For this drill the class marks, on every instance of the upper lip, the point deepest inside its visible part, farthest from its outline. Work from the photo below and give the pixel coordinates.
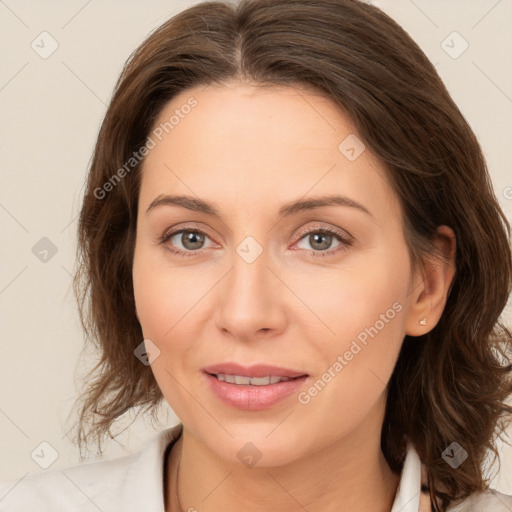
(257, 370)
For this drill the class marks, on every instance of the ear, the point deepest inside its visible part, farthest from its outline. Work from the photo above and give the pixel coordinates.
(431, 286)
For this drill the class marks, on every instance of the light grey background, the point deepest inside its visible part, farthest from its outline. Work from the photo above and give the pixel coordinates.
(51, 111)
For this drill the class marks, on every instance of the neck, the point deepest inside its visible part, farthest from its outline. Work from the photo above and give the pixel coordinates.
(347, 475)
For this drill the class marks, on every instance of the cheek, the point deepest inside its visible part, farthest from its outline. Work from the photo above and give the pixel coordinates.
(172, 304)
(152, 298)
(163, 297)
(162, 294)
(359, 304)
(354, 365)
(363, 315)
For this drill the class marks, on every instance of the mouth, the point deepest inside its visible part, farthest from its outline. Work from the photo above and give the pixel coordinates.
(253, 388)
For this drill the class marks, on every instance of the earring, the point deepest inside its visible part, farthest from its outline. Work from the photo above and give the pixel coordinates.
(423, 321)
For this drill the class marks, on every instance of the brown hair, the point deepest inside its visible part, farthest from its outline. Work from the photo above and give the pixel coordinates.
(450, 384)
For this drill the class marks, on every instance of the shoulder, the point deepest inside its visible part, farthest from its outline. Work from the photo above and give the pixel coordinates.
(84, 487)
(486, 501)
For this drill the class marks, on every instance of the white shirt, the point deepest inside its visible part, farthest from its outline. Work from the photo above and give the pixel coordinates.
(135, 483)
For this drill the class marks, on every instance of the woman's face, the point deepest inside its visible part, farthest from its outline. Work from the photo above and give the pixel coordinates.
(261, 283)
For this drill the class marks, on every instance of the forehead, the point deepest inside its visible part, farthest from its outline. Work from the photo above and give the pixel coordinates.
(239, 142)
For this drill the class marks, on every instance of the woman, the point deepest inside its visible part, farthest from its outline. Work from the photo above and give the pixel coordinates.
(290, 235)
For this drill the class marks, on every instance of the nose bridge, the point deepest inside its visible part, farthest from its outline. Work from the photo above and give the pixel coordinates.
(249, 299)
(250, 274)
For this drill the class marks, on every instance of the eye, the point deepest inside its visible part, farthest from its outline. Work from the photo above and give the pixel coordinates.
(191, 240)
(321, 239)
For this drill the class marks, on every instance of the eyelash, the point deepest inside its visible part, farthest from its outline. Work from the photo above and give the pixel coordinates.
(345, 242)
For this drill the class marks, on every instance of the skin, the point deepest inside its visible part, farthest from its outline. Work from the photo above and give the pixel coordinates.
(291, 307)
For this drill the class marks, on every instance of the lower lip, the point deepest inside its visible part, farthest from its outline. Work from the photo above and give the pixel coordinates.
(254, 398)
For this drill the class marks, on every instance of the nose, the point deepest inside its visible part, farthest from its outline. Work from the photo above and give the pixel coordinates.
(251, 299)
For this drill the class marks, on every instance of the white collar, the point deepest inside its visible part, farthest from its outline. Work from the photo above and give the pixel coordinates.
(408, 495)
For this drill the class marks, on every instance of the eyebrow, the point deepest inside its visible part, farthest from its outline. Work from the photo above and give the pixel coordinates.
(198, 205)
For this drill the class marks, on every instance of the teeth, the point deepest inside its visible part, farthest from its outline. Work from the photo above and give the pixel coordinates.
(251, 381)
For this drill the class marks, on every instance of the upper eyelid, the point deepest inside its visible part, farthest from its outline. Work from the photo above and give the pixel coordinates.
(176, 230)
(332, 230)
